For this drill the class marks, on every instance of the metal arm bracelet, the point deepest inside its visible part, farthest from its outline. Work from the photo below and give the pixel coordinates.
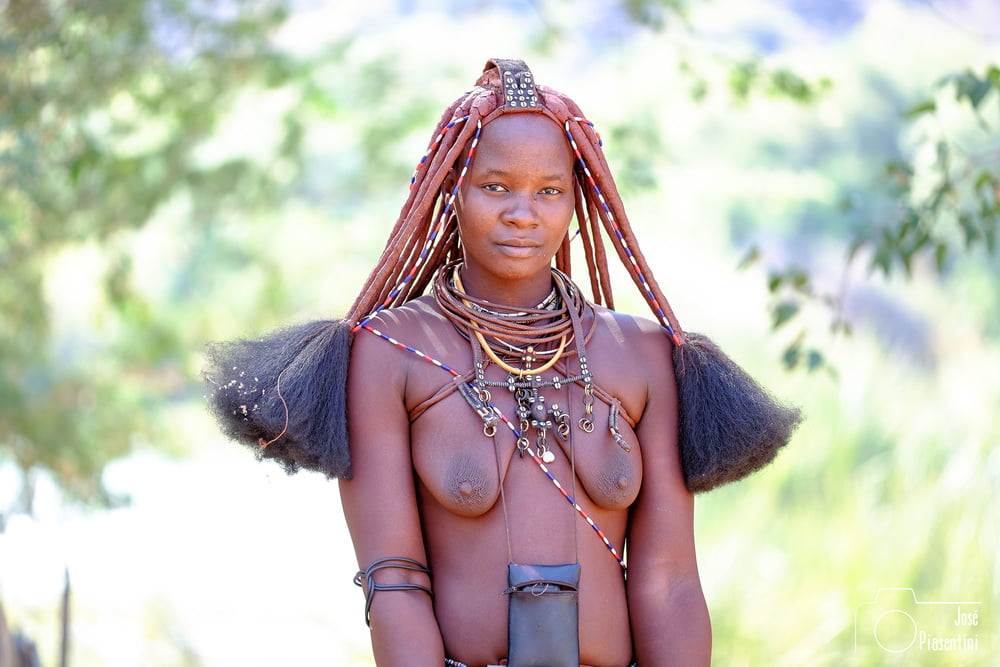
(366, 576)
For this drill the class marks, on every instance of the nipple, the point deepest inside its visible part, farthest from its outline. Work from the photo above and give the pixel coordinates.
(622, 482)
(465, 488)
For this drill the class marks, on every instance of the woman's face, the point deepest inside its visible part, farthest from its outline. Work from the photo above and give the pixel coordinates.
(514, 208)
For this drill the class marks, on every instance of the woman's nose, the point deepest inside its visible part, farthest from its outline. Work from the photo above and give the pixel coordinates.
(522, 210)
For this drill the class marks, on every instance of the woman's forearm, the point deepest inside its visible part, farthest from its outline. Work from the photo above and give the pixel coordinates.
(671, 628)
(404, 630)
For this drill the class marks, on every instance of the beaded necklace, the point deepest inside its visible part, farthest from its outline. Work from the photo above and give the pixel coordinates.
(534, 329)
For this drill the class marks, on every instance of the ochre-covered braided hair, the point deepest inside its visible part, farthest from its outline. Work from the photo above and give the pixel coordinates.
(285, 394)
(426, 234)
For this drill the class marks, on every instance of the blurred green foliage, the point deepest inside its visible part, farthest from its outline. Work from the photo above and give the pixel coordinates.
(939, 198)
(111, 113)
(104, 105)
(940, 201)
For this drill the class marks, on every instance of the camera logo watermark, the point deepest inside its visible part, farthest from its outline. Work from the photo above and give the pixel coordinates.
(896, 621)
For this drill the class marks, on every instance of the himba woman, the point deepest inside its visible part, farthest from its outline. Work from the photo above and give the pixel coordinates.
(516, 459)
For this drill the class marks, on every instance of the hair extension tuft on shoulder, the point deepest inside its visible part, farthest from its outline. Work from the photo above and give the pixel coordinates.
(285, 395)
(730, 426)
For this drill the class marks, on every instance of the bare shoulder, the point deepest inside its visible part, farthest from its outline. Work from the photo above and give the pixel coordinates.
(416, 322)
(394, 346)
(384, 366)
(644, 340)
(631, 358)
(413, 317)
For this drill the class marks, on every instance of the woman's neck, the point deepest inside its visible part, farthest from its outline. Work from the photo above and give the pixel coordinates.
(524, 293)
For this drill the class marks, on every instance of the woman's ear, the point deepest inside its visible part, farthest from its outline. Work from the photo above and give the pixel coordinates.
(448, 184)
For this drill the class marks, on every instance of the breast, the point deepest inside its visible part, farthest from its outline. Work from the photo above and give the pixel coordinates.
(614, 483)
(610, 475)
(453, 459)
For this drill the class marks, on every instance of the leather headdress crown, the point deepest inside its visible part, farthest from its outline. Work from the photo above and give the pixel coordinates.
(516, 82)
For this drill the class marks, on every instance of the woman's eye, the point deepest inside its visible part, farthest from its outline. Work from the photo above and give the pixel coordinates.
(493, 187)
(551, 191)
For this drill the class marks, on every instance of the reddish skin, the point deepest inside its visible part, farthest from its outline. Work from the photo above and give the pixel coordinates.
(428, 490)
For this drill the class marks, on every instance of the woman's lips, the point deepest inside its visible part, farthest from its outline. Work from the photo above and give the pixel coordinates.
(518, 247)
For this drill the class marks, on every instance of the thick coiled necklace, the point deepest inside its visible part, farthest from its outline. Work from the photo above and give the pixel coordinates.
(525, 342)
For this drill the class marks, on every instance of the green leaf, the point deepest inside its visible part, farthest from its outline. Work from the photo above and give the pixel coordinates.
(742, 78)
(970, 229)
(940, 255)
(774, 282)
(909, 223)
(985, 179)
(945, 189)
(792, 355)
(799, 279)
(927, 106)
(993, 74)
(814, 360)
(791, 84)
(969, 86)
(980, 92)
(882, 261)
(783, 312)
(907, 257)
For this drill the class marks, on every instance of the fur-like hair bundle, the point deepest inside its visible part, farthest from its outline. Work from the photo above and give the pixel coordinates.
(285, 395)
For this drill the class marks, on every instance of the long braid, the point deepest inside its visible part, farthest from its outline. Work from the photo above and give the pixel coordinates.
(612, 213)
(411, 225)
(420, 224)
(593, 248)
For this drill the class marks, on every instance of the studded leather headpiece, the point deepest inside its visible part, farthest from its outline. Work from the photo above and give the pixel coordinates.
(516, 82)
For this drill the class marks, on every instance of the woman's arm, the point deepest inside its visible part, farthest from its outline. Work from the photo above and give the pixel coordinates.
(381, 507)
(669, 618)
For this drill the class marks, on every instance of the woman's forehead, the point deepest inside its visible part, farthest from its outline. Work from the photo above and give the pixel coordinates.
(528, 124)
(529, 135)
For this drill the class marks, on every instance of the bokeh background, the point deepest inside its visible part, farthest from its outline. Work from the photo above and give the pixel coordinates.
(816, 185)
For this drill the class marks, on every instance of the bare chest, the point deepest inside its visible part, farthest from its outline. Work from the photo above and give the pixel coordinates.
(464, 444)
